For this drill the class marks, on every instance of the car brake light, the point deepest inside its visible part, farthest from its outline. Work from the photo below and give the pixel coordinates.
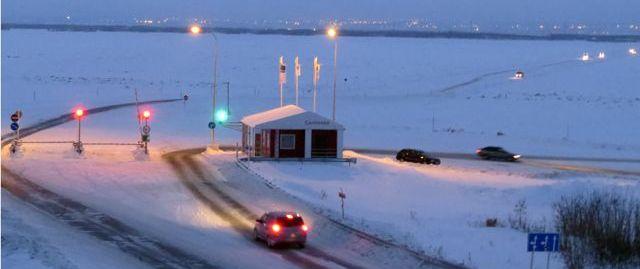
(478, 151)
(305, 228)
(275, 228)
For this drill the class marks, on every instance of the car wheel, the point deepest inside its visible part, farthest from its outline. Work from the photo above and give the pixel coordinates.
(255, 235)
(436, 162)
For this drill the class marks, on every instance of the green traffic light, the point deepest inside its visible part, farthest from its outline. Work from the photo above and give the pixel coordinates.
(221, 115)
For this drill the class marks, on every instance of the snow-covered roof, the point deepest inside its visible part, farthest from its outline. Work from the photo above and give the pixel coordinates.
(271, 115)
(289, 117)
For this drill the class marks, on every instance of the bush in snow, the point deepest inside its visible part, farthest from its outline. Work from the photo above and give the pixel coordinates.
(601, 229)
(518, 220)
(491, 222)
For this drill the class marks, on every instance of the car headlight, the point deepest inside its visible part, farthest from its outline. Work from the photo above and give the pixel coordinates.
(517, 156)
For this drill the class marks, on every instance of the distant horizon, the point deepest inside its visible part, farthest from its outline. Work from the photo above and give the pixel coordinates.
(621, 13)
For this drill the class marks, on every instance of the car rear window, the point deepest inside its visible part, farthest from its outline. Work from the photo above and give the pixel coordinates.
(286, 222)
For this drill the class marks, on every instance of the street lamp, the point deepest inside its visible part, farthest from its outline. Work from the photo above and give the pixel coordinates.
(196, 30)
(332, 33)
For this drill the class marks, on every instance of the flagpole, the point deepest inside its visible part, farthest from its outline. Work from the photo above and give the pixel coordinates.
(281, 76)
(296, 73)
(281, 99)
(316, 71)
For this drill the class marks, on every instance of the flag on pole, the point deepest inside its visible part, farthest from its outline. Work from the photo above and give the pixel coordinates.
(297, 67)
(316, 71)
(283, 72)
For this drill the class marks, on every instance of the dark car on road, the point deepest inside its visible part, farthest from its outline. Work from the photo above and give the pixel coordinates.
(281, 228)
(416, 156)
(496, 153)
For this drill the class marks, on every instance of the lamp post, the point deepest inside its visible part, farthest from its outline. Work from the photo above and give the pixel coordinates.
(196, 30)
(332, 33)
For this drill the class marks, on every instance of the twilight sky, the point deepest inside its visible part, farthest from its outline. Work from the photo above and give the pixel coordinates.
(480, 11)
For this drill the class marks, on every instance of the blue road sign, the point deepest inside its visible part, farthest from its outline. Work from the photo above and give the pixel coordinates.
(15, 126)
(543, 242)
(212, 125)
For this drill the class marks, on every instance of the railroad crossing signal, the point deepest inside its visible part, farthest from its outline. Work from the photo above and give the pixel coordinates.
(79, 113)
(77, 145)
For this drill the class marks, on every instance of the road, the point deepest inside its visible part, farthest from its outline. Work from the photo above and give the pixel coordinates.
(222, 201)
(534, 161)
(101, 226)
(159, 254)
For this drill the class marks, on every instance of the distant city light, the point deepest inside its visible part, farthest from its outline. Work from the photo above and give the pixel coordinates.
(195, 29)
(601, 55)
(585, 57)
(633, 51)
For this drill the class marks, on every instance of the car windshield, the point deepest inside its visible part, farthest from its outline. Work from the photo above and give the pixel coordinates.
(290, 222)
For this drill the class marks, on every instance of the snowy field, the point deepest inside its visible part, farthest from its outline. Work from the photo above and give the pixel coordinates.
(442, 210)
(393, 88)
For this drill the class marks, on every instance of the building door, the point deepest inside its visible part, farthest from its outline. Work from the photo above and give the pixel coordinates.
(324, 144)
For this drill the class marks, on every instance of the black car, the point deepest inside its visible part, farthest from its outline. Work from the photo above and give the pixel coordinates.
(416, 156)
(496, 153)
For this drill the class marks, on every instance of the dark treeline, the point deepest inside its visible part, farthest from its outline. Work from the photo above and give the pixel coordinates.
(343, 32)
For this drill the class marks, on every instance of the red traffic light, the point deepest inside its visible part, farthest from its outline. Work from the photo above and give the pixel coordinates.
(146, 114)
(78, 113)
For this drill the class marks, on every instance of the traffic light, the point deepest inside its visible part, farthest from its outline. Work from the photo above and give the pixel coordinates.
(79, 113)
(146, 114)
(221, 116)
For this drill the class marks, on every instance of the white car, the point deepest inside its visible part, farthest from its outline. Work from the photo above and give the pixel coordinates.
(281, 228)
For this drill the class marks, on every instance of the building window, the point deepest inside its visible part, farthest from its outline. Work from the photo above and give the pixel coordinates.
(287, 141)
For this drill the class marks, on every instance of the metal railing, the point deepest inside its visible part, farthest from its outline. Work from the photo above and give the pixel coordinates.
(324, 152)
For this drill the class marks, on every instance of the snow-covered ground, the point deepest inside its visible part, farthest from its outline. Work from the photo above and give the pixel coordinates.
(392, 90)
(442, 210)
(32, 240)
(389, 89)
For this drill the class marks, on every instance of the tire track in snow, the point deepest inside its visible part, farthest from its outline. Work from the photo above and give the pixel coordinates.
(100, 225)
(187, 156)
(178, 159)
(93, 222)
(246, 212)
(495, 73)
(475, 80)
